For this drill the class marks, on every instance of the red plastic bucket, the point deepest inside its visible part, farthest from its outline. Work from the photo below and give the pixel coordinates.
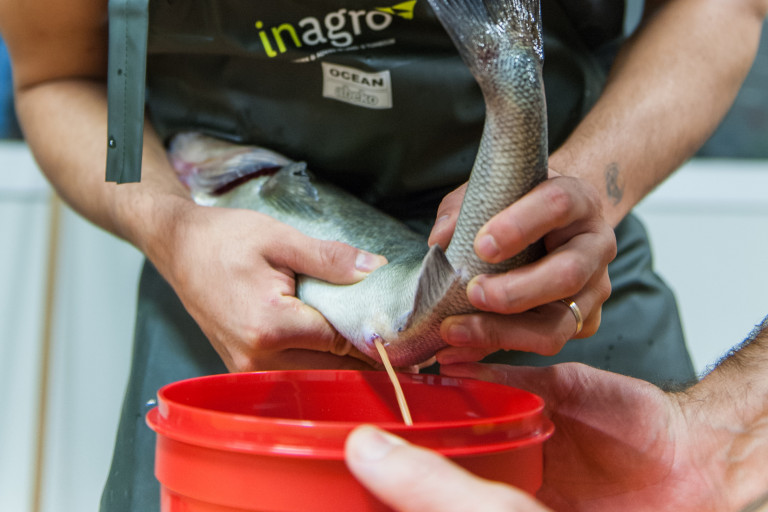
(274, 441)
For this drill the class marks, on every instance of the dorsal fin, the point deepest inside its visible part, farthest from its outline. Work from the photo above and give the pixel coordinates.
(291, 190)
(436, 278)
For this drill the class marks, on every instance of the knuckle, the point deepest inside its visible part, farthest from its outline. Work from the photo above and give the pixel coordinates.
(283, 252)
(591, 325)
(245, 362)
(259, 337)
(256, 354)
(553, 374)
(573, 275)
(516, 233)
(483, 334)
(492, 338)
(240, 365)
(504, 297)
(614, 247)
(559, 200)
(554, 344)
(333, 254)
(446, 206)
(512, 301)
(604, 289)
(508, 231)
(590, 193)
(452, 201)
(340, 346)
(610, 246)
(550, 346)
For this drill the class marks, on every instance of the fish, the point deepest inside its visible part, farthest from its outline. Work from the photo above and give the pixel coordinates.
(402, 303)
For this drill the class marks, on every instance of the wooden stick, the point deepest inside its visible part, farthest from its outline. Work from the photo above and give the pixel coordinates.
(51, 280)
(404, 411)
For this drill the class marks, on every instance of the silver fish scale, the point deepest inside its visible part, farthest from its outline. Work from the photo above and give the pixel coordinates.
(511, 159)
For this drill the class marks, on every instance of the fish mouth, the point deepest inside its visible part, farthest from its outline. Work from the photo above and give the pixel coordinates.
(257, 173)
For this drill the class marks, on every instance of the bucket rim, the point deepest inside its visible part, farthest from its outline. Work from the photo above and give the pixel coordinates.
(267, 435)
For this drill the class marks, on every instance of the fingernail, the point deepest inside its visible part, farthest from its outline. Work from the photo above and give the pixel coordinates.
(367, 262)
(475, 293)
(372, 444)
(457, 334)
(487, 248)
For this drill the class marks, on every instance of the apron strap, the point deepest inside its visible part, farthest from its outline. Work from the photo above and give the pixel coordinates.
(128, 30)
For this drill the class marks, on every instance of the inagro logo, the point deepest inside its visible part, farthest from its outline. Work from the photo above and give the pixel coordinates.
(337, 29)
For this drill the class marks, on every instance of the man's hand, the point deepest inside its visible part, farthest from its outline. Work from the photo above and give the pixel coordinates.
(619, 443)
(522, 307)
(235, 270)
(413, 479)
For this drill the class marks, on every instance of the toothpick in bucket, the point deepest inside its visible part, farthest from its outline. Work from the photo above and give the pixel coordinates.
(404, 411)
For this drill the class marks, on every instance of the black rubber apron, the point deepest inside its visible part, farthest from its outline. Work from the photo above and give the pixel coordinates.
(378, 102)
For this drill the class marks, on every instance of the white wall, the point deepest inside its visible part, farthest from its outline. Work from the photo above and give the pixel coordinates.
(23, 237)
(94, 292)
(708, 224)
(709, 229)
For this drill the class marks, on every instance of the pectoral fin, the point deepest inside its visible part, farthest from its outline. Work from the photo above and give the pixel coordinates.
(291, 190)
(436, 278)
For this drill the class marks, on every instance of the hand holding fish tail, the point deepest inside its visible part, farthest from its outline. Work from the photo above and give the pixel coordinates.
(234, 270)
(522, 308)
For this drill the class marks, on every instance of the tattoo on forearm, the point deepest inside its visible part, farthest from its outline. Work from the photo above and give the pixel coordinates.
(613, 185)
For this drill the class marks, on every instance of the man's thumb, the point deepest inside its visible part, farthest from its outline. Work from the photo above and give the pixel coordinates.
(335, 262)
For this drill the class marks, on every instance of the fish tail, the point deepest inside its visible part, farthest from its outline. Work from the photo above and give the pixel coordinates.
(501, 42)
(481, 29)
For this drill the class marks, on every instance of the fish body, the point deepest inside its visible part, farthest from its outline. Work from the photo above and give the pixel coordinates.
(403, 303)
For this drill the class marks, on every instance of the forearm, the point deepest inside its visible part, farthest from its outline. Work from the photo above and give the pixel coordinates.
(65, 126)
(728, 413)
(669, 88)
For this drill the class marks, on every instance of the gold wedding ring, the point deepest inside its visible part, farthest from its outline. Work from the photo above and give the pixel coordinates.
(576, 314)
